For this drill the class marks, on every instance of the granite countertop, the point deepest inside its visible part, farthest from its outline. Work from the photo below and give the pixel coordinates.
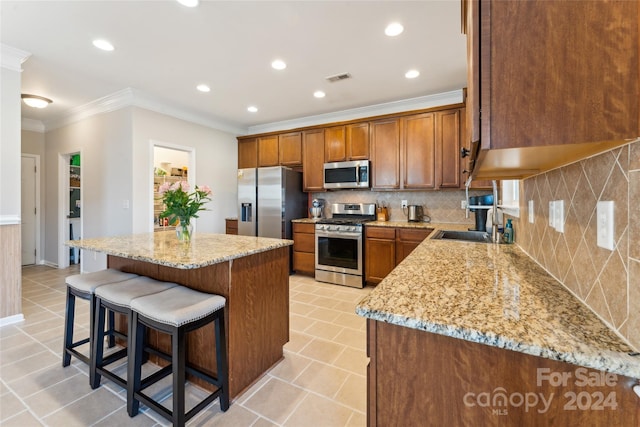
(162, 247)
(407, 224)
(495, 295)
(306, 220)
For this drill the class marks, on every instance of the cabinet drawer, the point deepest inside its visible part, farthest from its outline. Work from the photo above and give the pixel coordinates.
(381, 232)
(299, 227)
(303, 242)
(413, 234)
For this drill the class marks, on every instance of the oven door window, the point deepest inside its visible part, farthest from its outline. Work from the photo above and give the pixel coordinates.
(338, 252)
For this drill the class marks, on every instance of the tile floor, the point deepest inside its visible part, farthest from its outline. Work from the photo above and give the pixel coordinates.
(321, 381)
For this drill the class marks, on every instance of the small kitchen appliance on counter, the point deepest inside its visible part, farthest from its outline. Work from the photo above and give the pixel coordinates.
(317, 208)
(339, 244)
(481, 212)
(415, 213)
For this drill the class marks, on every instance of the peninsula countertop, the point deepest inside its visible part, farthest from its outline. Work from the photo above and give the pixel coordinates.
(163, 248)
(495, 295)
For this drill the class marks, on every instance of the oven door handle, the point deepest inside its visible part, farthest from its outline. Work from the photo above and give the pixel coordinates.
(346, 235)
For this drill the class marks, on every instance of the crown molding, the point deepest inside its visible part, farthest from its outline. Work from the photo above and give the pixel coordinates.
(419, 103)
(12, 58)
(131, 97)
(32, 125)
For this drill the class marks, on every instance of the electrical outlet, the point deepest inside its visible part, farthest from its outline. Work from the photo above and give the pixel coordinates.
(531, 216)
(463, 204)
(403, 204)
(605, 221)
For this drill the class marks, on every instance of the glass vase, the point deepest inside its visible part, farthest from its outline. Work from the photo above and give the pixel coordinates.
(184, 232)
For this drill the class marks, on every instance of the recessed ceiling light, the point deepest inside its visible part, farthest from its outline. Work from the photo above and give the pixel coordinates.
(103, 44)
(278, 64)
(36, 101)
(189, 3)
(394, 29)
(412, 74)
(319, 94)
(252, 109)
(203, 88)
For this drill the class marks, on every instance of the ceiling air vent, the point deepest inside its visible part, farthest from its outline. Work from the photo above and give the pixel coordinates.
(339, 77)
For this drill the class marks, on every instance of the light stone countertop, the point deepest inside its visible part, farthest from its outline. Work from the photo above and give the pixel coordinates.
(162, 247)
(495, 295)
(305, 220)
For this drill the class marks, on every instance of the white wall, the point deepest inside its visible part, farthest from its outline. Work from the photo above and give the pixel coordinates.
(175, 158)
(33, 143)
(216, 166)
(104, 143)
(10, 146)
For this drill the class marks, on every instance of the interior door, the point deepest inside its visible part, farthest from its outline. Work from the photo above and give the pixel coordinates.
(28, 210)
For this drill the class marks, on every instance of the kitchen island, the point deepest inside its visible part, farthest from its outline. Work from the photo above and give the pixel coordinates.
(252, 273)
(478, 334)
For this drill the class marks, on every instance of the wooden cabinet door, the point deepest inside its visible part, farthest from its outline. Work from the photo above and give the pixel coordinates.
(290, 149)
(408, 239)
(247, 153)
(268, 153)
(380, 259)
(231, 226)
(385, 154)
(357, 141)
(419, 151)
(313, 144)
(448, 149)
(335, 149)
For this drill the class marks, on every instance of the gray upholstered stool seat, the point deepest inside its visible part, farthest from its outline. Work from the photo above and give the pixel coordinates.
(83, 286)
(117, 297)
(176, 312)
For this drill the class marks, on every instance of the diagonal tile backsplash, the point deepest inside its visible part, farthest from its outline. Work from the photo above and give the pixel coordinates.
(607, 281)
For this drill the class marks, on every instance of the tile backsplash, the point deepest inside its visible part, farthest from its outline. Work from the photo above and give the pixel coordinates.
(441, 206)
(606, 281)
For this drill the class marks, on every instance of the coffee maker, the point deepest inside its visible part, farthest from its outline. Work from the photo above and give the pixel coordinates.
(481, 213)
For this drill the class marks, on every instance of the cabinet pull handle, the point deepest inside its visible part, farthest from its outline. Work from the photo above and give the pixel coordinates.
(464, 152)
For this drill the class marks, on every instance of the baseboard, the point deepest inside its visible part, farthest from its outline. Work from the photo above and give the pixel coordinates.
(49, 263)
(9, 320)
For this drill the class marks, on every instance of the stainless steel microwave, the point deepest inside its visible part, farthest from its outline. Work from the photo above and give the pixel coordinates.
(354, 174)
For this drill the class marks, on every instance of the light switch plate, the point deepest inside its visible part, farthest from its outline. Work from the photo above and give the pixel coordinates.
(559, 216)
(531, 216)
(552, 214)
(606, 219)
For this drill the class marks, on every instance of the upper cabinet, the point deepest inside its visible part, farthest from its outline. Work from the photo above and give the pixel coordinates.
(347, 142)
(313, 151)
(247, 153)
(268, 152)
(290, 149)
(385, 154)
(553, 81)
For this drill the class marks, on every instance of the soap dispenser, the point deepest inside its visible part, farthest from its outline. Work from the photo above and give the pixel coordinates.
(507, 237)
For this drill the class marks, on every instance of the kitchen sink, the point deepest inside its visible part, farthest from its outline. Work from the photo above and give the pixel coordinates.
(467, 236)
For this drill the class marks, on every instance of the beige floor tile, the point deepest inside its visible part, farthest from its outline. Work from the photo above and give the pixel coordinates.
(303, 297)
(59, 395)
(87, 410)
(352, 338)
(346, 307)
(14, 341)
(23, 419)
(324, 330)
(16, 353)
(41, 316)
(350, 320)
(326, 302)
(289, 368)
(353, 360)
(297, 341)
(357, 420)
(9, 330)
(319, 411)
(353, 393)
(37, 381)
(322, 350)
(276, 400)
(28, 365)
(322, 379)
(236, 416)
(57, 331)
(120, 418)
(299, 323)
(306, 287)
(10, 405)
(324, 314)
(301, 308)
(263, 423)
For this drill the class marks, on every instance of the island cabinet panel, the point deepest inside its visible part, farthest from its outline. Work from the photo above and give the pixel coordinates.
(304, 248)
(313, 152)
(420, 378)
(247, 153)
(290, 149)
(268, 152)
(583, 85)
(256, 312)
(419, 151)
(385, 154)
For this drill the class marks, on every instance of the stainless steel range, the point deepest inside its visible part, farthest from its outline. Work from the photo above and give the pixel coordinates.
(339, 244)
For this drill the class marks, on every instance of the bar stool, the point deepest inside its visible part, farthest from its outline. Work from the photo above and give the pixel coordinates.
(117, 298)
(83, 286)
(176, 312)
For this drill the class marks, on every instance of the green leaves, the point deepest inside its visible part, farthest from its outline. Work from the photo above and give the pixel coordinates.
(182, 205)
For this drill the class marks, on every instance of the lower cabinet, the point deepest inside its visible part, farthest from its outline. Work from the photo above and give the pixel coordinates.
(386, 247)
(304, 248)
(231, 226)
(418, 378)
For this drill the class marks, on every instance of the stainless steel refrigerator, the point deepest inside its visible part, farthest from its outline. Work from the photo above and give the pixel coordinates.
(268, 199)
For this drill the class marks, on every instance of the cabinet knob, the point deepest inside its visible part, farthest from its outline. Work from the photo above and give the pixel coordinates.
(464, 152)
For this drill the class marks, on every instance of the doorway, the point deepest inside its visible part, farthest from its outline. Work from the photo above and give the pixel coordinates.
(171, 163)
(69, 207)
(30, 208)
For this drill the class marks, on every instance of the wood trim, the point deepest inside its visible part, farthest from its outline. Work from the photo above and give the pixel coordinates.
(10, 270)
